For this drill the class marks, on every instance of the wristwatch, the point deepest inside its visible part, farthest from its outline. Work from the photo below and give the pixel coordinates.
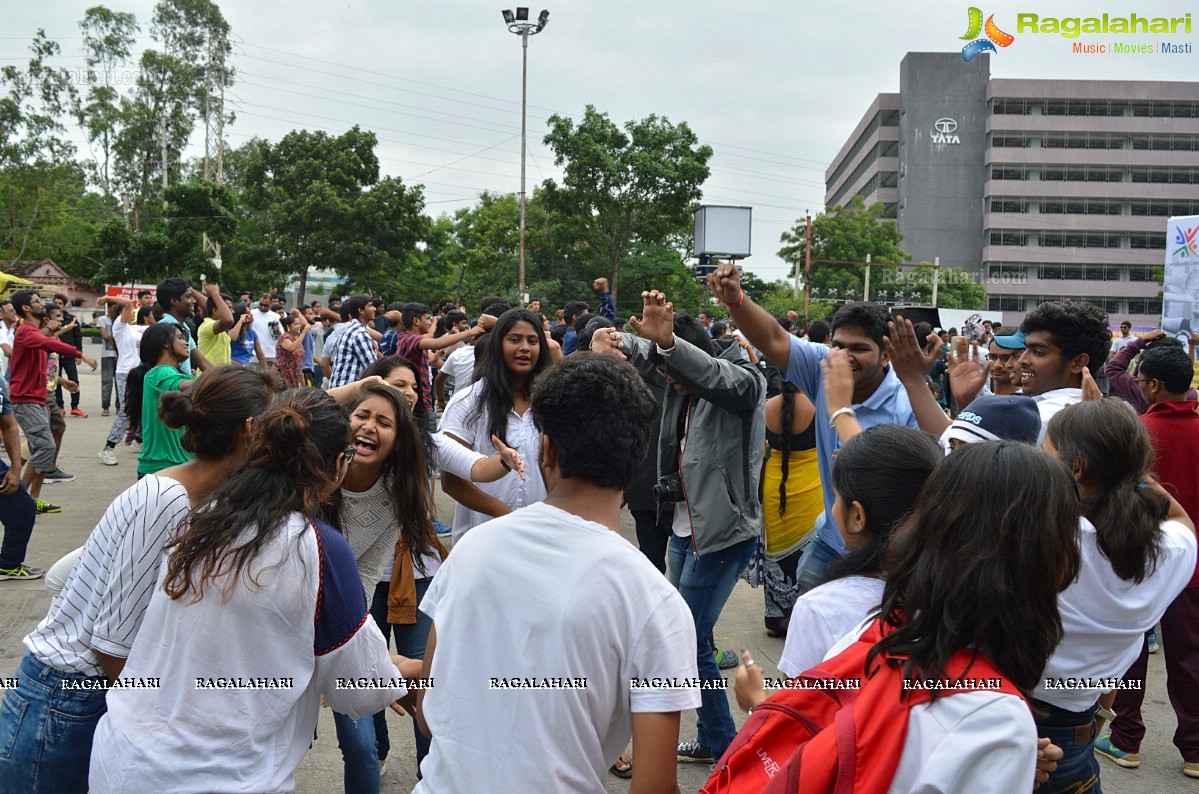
(832, 419)
(1105, 714)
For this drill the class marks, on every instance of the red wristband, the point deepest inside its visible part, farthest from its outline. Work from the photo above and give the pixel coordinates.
(738, 303)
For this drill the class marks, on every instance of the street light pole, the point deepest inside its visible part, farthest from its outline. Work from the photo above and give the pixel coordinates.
(519, 24)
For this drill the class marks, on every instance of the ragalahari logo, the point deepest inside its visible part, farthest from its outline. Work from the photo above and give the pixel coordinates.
(995, 36)
(1187, 241)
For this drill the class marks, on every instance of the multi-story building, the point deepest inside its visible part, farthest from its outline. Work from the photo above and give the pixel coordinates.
(1044, 189)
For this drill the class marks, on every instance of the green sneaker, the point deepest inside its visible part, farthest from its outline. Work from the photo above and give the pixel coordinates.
(45, 507)
(21, 572)
(726, 659)
(1104, 746)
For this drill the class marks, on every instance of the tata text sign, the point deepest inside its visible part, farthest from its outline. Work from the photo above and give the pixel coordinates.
(945, 132)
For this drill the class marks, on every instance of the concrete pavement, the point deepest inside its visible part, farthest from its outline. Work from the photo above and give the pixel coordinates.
(23, 604)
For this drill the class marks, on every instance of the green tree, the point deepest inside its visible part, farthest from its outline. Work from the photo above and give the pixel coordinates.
(108, 41)
(845, 234)
(623, 191)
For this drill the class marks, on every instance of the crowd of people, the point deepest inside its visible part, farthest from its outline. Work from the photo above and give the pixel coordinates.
(965, 546)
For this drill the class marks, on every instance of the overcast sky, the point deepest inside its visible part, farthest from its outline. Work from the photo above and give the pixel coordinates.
(774, 87)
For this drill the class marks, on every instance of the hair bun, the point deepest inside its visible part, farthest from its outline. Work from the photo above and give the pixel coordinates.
(177, 410)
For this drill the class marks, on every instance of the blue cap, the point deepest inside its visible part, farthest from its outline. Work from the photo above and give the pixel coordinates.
(1013, 342)
(994, 417)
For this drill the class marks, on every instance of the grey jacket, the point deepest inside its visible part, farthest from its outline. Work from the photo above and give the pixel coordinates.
(723, 459)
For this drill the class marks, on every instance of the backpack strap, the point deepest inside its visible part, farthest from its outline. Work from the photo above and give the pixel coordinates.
(847, 753)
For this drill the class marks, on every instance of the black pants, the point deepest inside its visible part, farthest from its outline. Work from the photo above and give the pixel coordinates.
(71, 372)
(653, 533)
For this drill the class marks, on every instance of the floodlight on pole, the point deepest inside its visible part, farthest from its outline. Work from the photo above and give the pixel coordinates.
(519, 24)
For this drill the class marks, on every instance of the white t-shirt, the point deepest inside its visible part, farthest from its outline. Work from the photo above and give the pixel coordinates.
(1052, 401)
(824, 615)
(6, 337)
(103, 602)
(261, 323)
(549, 595)
(129, 343)
(460, 366)
(198, 733)
(459, 420)
(1105, 617)
(981, 742)
(107, 349)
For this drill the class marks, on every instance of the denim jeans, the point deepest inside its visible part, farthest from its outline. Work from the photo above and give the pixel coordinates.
(1078, 771)
(17, 514)
(359, 753)
(706, 582)
(814, 564)
(411, 639)
(46, 731)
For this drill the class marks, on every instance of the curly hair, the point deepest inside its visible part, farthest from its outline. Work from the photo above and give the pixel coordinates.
(1076, 327)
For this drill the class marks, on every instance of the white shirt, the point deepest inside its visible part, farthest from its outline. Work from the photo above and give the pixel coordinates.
(6, 337)
(1105, 617)
(261, 323)
(824, 615)
(129, 344)
(981, 742)
(368, 522)
(102, 604)
(1120, 342)
(193, 736)
(1052, 401)
(107, 349)
(459, 366)
(548, 595)
(459, 420)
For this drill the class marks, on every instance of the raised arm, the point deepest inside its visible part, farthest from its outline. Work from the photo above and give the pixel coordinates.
(762, 330)
(912, 361)
(1117, 369)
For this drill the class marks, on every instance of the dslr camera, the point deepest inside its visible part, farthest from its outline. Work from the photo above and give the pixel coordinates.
(668, 489)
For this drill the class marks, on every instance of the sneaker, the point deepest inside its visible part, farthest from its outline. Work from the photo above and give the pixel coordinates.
(58, 475)
(78, 412)
(1104, 746)
(21, 572)
(108, 456)
(693, 752)
(1154, 647)
(382, 766)
(45, 507)
(726, 659)
(1191, 769)
(105, 412)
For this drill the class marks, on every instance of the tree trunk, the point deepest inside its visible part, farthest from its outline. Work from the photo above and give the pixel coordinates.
(303, 287)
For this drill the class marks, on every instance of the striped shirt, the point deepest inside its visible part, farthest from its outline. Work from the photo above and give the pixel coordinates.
(408, 347)
(355, 352)
(103, 602)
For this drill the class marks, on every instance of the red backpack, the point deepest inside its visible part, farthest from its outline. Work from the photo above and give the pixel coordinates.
(818, 738)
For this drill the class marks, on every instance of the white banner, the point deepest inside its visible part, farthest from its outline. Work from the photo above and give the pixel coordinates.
(1180, 304)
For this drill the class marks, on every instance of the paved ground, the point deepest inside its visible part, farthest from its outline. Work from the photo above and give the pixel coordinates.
(23, 604)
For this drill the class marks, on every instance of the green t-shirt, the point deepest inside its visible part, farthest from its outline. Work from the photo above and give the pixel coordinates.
(160, 444)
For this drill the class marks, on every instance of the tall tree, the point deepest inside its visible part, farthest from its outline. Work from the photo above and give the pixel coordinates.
(108, 41)
(622, 191)
(169, 93)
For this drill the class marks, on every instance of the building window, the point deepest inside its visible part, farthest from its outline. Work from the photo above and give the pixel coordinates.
(1144, 306)
(1008, 237)
(1147, 240)
(1140, 274)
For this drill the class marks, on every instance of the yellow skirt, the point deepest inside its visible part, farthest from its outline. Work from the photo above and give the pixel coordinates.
(805, 501)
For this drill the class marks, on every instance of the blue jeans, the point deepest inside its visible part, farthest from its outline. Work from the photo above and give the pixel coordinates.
(17, 514)
(1078, 771)
(46, 731)
(411, 640)
(360, 754)
(814, 564)
(706, 582)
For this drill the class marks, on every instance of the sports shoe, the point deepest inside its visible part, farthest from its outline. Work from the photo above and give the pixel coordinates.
(21, 572)
(1154, 647)
(693, 752)
(58, 475)
(726, 659)
(1191, 769)
(108, 456)
(78, 412)
(1104, 746)
(45, 507)
(382, 766)
(105, 412)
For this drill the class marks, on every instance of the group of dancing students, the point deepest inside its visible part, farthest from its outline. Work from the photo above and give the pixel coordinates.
(221, 599)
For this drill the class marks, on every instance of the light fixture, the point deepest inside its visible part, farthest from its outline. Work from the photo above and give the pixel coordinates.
(522, 14)
(509, 17)
(543, 19)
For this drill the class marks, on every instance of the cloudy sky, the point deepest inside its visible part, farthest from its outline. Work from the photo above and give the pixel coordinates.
(774, 87)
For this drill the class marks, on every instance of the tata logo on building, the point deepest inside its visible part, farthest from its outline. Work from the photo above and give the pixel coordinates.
(944, 131)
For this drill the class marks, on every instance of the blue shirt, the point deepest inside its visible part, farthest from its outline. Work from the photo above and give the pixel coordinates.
(308, 348)
(242, 348)
(570, 342)
(888, 405)
(186, 365)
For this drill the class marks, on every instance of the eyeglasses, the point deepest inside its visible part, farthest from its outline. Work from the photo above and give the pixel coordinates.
(1144, 380)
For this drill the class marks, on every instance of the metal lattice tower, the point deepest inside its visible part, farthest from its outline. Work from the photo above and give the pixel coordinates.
(214, 122)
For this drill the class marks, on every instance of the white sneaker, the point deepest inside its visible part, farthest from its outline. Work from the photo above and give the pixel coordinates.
(108, 456)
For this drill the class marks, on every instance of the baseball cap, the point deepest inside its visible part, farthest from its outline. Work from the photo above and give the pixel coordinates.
(1011, 417)
(1013, 342)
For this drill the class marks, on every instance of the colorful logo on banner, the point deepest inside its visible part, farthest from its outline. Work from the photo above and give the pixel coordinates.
(995, 36)
(1187, 241)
